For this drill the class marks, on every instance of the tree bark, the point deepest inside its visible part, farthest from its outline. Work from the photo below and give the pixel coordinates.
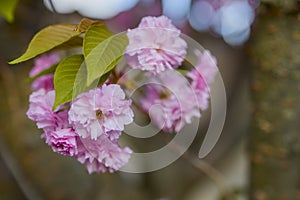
(275, 138)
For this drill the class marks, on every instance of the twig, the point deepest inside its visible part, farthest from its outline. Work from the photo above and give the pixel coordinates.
(215, 175)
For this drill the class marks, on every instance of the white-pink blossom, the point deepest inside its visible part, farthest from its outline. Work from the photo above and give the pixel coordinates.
(175, 101)
(63, 141)
(155, 45)
(102, 155)
(202, 75)
(98, 155)
(54, 123)
(99, 111)
(40, 111)
(40, 64)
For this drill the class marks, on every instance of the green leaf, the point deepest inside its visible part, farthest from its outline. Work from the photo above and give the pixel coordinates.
(64, 78)
(94, 36)
(7, 8)
(105, 56)
(60, 36)
(47, 39)
(80, 82)
(74, 42)
(70, 80)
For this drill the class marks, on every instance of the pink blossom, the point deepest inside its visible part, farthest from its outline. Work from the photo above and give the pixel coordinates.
(43, 62)
(54, 123)
(63, 141)
(207, 65)
(101, 155)
(202, 75)
(40, 64)
(40, 111)
(113, 135)
(174, 114)
(155, 45)
(99, 111)
(176, 105)
(153, 92)
(43, 82)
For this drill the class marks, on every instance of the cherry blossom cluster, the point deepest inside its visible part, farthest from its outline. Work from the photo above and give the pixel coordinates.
(156, 47)
(88, 128)
(177, 98)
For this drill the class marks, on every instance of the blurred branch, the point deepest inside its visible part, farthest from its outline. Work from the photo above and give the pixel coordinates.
(14, 106)
(275, 139)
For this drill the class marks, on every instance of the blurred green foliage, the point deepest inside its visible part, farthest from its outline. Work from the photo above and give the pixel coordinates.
(7, 8)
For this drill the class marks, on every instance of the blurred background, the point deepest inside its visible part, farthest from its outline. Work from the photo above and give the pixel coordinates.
(254, 148)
